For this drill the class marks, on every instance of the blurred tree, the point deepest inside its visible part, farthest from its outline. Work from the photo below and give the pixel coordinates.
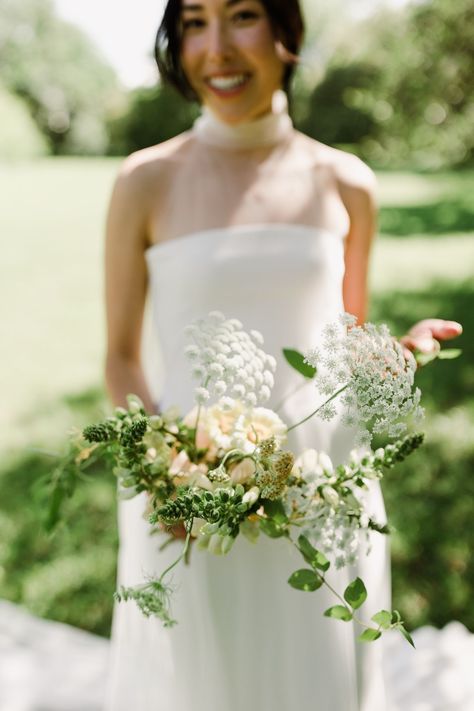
(154, 115)
(52, 65)
(19, 135)
(399, 88)
(332, 116)
(423, 102)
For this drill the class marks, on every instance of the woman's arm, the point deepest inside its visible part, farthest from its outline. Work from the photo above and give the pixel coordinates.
(357, 187)
(126, 285)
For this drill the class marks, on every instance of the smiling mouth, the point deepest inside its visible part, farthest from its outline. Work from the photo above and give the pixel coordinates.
(228, 83)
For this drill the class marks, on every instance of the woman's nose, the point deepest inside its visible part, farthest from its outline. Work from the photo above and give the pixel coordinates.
(219, 44)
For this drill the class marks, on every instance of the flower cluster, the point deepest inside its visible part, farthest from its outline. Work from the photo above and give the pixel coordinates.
(367, 366)
(228, 362)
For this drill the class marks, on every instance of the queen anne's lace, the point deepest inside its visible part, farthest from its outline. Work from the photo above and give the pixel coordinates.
(228, 362)
(377, 380)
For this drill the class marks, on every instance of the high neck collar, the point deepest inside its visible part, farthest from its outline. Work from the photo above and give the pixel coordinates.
(265, 131)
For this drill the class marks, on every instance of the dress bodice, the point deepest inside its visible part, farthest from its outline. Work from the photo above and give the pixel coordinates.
(283, 280)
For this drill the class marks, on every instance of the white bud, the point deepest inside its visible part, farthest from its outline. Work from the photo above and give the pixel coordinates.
(268, 378)
(201, 395)
(220, 388)
(216, 317)
(330, 496)
(326, 463)
(192, 352)
(251, 399)
(271, 362)
(264, 393)
(257, 337)
(216, 370)
(198, 372)
(251, 496)
(227, 403)
(134, 404)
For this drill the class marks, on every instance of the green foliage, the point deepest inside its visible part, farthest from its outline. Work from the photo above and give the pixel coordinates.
(339, 612)
(355, 594)
(429, 501)
(312, 556)
(305, 580)
(153, 115)
(52, 65)
(402, 94)
(370, 635)
(297, 361)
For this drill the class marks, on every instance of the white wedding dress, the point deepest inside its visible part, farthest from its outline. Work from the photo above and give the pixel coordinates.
(245, 639)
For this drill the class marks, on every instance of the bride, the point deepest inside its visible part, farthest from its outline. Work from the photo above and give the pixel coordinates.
(245, 215)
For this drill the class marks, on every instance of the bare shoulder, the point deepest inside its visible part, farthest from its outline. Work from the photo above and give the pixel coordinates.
(353, 177)
(143, 170)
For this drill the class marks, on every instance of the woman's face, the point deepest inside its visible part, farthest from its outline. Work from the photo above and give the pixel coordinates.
(229, 56)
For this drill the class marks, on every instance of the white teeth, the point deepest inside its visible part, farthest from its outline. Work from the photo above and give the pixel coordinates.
(229, 82)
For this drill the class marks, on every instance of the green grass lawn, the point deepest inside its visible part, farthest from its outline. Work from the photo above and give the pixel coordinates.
(52, 220)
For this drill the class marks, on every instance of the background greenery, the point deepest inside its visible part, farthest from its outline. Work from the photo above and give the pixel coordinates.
(53, 345)
(396, 87)
(401, 97)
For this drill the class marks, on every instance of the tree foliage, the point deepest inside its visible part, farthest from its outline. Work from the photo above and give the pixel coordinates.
(56, 70)
(155, 114)
(402, 93)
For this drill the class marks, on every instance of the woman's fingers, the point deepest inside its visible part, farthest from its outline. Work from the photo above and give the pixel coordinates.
(435, 328)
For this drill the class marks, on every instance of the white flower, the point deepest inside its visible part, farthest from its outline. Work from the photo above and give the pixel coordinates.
(201, 395)
(313, 466)
(254, 426)
(225, 355)
(368, 365)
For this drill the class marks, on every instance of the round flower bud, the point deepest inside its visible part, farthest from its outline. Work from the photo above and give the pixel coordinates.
(216, 370)
(156, 422)
(271, 362)
(201, 395)
(220, 388)
(227, 403)
(264, 393)
(198, 372)
(191, 352)
(251, 399)
(268, 378)
(257, 337)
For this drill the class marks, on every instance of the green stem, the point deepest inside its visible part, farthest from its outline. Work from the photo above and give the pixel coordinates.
(178, 560)
(333, 397)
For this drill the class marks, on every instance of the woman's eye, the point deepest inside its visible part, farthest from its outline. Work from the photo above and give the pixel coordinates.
(245, 16)
(192, 23)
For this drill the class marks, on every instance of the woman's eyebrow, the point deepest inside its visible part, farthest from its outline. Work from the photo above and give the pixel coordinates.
(197, 6)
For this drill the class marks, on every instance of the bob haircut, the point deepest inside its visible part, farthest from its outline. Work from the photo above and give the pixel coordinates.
(288, 26)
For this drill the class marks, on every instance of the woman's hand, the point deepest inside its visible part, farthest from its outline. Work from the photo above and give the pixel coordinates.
(425, 336)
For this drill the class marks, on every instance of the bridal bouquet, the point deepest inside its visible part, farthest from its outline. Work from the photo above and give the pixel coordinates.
(222, 470)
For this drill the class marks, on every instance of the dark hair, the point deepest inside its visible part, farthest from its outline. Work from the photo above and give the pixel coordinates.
(285, 17)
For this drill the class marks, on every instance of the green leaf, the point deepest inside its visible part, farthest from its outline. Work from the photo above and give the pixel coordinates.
(272, 529)
(339, 612)
(370, 635)
(296, 360)
(276, 511)
(306, 580)
(450, 354)
(355, 593)
(312, 556)
(407, 635)
(396, 617)
(383, 619)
